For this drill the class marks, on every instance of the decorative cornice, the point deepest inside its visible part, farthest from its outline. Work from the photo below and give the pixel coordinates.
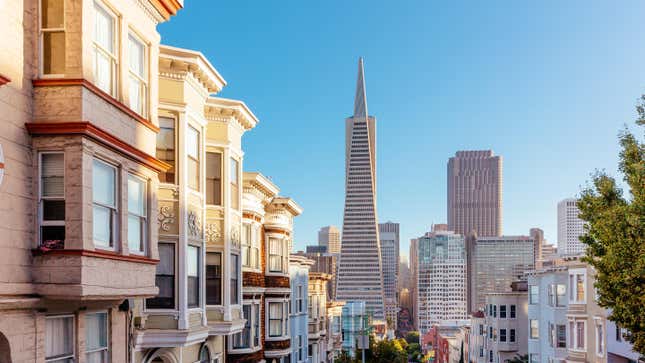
(87, 129)
(259, 182)
(219, 109)
(64, 82)
(166, 8)
(176, 63)
(99, 254)
(287, 203)
(4, 80)
(150, 10)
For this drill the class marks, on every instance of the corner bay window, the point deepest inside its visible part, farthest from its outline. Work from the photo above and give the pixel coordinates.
(137, 214)
(59, 339)
(192, 272)
(192, 159)
(213, 278)
(138, 90)
(249, 338)
(52, 200)
(278, 255)
(166, 148)
(52, 36)
(213, 178)
(278, 313)
(164, 279)
(104, 49)
(104, 204)
(96, 337)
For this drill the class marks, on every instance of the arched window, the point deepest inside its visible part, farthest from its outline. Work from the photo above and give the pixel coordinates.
(204, 354)
(5, 351)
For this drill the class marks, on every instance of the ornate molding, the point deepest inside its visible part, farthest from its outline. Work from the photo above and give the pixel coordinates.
(213, 232)
(166, 217)
(235, 235)
(194, 224)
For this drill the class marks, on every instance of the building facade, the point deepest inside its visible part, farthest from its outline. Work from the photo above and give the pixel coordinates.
(441, 280)
(495, 263)
(570, 228)
(334, 329)
(329, 236)
(78, 209)
(475, 193)
(355, 325)
(359, 271)
(317, 312)
(389, 242)
(298, 314)
(506, 325)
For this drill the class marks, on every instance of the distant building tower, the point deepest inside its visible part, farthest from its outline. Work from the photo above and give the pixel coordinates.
(475, 193)
(414, 280)
(570, 228)
(359, 270)
(330, 236)
(389, 238)
(442, 280)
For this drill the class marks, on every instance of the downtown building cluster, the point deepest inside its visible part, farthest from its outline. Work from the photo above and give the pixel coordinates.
(131, 231)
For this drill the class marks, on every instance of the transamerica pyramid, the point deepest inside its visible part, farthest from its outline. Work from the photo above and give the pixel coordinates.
(359, 271)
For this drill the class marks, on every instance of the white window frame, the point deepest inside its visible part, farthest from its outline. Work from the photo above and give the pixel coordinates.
(42, 198)
(285, 318)
(284, 266)
(113, 57)
(41, 40)
(143, 219)
(601, 338)
(142, 79)
(197, 158)
(574, 338)
(114, 210)
(107, 335)
(533, 300)
(200, 277)
(247, 230)
(537, 322)
(573, 288)
(73, 354)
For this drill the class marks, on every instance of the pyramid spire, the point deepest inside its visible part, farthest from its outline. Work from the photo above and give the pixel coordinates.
(360, 100)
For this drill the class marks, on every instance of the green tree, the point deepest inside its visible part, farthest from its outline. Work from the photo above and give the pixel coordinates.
(414, 352)
(412, 337)
(519, 359)
(344, 357)
(389, 351)
(615, 236)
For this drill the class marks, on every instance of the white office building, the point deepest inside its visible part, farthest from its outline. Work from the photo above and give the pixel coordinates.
(570, 228)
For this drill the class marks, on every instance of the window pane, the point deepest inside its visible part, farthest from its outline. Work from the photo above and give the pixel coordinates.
(192, 143)
(53, 210)
(95, 331)
(103, 71)
(192, 266)
(235, 271)
(104, 29)
(103, 183)
(52, 236)
(192, 270)
(166, 265)
(193, 173)
(135, 239)
(52, 175)
(193, 292)
(102, 226)
(136, 98)
(52, 13)
(213, 178)
(136, 196)
(137, 56)
(234, 171)
(59, 337)
(213, 278)
(166, 148)
(165, 278)
(54, 52)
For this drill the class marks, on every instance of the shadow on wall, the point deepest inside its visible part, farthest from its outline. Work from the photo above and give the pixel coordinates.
(5, 351)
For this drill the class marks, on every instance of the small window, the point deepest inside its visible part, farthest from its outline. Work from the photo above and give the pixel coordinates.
(52, 36)
(275, 255)
(502, 311)
(52, 200)
(502, 335)
(561, 336)
(534, 294)
(204, 355)
(138, 90)
(104, 49)
(276, 313)
(580, 334)
(96, 337)
(104, 204)
(166, 148)
(213, 278)
(512, 312)
(256, 325)
(192, 151)
(164, 278)
(534, 330)
(561, 294)
(192, 272)
(242, 339)
(213, 178)
(246, 244)
(137, 214)
(235, 182)
(235, 279)
(580, 287)
(511, 336)
(59, 339)
(255, 247)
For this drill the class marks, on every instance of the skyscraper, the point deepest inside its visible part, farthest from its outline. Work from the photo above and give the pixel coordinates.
(359, 271)
(475, 193)
(570, 228)
(389, 240)
(330, 236)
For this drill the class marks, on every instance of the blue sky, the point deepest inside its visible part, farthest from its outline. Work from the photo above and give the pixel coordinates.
(548, 85)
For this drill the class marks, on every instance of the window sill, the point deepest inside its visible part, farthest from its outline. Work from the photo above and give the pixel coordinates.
(244, 350)
(107, 254)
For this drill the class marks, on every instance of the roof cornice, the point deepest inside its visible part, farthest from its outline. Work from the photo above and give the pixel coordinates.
(181, 61)
(289, 204)
(167, 8)
(217, 107)
(260, 182)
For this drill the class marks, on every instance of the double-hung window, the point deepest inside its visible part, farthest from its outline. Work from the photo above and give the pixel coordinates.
(512, 312)
(511, 336)
(213, 178)
(166, 148)
(164, 279)
(192, 151)
(275, 255)
(235, 184)
(52, 200)
(192, 272)
(502, 335)
(256, 325)
(502, 311)
(59, 339)
(255, 247)
(138, 90)
(104, 49)
(534, 294)
(246, 244)
(561, 336)
(104, 204)
(580, 334)
(534, 329)
(137, 214)
(235, 279)
(600, 339)
(577, 282)
(242, 340)
(560, 295)
(278, 313)
(213, 278)
(299, 299)
(96, 337)
(52, 37)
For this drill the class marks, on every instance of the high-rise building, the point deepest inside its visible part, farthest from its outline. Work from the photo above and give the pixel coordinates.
(497, 262)
(359, 270)
(414, 279)
(570, 228)
(389, 239)
(441, 280)
(475, 193)
(330, 237)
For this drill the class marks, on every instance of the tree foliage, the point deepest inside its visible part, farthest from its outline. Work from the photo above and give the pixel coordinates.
(615, 236)
(412, 337)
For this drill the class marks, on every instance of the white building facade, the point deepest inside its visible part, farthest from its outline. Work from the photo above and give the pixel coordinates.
(570, 228)
(389, 240)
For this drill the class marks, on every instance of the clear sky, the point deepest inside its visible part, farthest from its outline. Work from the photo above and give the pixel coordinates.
(546, 84)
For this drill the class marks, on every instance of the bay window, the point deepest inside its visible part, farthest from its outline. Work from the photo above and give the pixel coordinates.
(235, 182)
(52, 37)
(138, 90)
(213, 178)
(277, 314)
(59, 339)
(249, 338)
(166, 148)
(137, 214)
(192, 272)
(192, 151)
(213, 278)
(104, 49)
(104, 204)
(276, 250)
(235, 279)
(52, 200)
(96, 337)
(164, 278)
(577, 281)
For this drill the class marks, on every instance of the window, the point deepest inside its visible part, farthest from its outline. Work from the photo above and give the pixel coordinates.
(275, 255)
(502, 311)
(534, 358)
(213, 278)
(96, 337)
(300, 344)
(534, 294)
(166, 148)
(242, 340)
(278, 318)
(572, 334)
(137, 214)
(235, 190)
(561, 336)
(52, 200)
(104, 204)
(512, 312)
(310, 352)
(580, 287)
(213, 178)
(246, 245)
(600, 341)
(138, 91)
(192, 272)
(204, 354)
(52, 36)
(104, 49)
(256, 325)
(481, 329)
(192, 150)
(481, 351)
(494, 311)
(502, 335)
(299, 299)
(577, 285)
(580, 334)
(490, 332)
(490, 356)
(561, 293)
(59, 339)
(255, 247)
(235, 279)
(534, 331)
(164, 278)
(511, 336)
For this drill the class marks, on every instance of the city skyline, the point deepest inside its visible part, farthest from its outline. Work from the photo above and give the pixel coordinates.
(529, 99)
